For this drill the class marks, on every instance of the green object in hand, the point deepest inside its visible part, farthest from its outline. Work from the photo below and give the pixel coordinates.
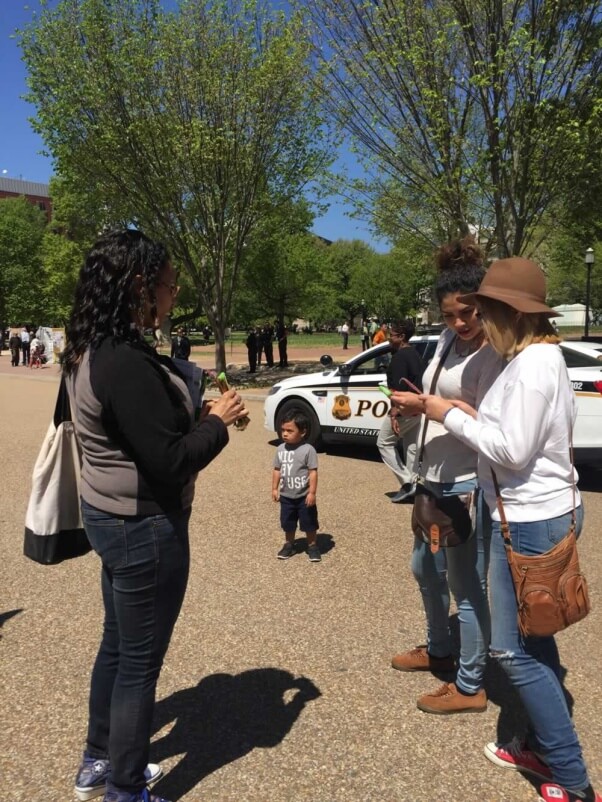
(222, 382)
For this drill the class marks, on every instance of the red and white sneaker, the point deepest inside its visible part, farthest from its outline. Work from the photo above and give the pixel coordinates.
(515, 755)
(550, 792)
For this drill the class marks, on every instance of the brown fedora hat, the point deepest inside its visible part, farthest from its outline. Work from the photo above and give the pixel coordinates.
(517, 282)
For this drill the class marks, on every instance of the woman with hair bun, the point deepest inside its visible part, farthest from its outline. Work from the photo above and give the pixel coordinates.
(141, 454)
(449, 468)
(522, 431)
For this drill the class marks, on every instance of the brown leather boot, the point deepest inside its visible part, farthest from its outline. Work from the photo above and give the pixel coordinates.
(447, 699)
(419, 659)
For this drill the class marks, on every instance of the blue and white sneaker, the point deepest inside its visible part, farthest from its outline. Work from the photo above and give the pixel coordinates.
(125, 796)
(93, 773)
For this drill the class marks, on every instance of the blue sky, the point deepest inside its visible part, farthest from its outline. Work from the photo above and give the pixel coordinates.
(20, 147)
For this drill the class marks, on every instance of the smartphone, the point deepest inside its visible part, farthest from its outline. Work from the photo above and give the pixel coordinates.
(384, 389)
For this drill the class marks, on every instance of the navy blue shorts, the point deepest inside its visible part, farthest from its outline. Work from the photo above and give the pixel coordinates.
(295, 509)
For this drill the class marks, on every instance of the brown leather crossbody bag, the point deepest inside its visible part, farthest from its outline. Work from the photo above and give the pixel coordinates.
(551, 591)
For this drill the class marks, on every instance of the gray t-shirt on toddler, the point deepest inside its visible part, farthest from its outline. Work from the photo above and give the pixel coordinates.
(295, 463)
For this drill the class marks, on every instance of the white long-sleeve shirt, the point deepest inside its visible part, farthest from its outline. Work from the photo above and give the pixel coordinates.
(522, 431)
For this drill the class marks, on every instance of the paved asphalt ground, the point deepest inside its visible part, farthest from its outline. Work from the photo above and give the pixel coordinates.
(277, 685)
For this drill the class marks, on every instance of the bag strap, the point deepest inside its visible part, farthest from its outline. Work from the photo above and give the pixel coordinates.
(434, 381)
(62, 409)
(505, 528)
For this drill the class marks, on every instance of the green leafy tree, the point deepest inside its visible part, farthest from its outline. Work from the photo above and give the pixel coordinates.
(22, 227)
(188, 124)
(466, 112)
(579, 225)
(285, 277)
(564, 258)
(283, 269)
(62, 259)
(395, 285)
(349, 261)
(536, 69)
(77, 217)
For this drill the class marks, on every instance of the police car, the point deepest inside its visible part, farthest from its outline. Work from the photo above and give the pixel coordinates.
(344, 405)
(590, 348)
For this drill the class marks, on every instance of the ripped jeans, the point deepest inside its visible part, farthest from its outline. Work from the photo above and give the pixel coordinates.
(463, 569)
(533, 664)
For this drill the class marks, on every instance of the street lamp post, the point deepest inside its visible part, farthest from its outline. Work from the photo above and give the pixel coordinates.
(589, 261)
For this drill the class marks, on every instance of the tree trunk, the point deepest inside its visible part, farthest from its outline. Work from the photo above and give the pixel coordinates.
(220, 352)
(219, 332)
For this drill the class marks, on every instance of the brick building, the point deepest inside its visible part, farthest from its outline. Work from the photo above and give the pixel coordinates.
(33, 192)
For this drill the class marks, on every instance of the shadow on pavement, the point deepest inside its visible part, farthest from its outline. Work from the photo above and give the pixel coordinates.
(8, 615)
(325, 543)
(223, 718)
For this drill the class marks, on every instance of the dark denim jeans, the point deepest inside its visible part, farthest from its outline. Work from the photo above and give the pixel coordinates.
(145, 563)
(533, 664)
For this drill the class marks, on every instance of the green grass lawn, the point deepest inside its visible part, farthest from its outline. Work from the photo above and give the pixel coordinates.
(334, 340)
(321, 339)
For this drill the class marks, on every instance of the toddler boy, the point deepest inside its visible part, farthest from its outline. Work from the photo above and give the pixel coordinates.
(294, 484)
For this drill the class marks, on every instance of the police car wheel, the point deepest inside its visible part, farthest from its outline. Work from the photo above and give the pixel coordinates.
(314, 434)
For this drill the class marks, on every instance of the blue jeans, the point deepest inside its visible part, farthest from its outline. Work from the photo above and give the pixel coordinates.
(463, 569)
(145, 562)
(533, 664)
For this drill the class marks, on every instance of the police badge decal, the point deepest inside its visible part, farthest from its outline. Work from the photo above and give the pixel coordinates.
(341, 409)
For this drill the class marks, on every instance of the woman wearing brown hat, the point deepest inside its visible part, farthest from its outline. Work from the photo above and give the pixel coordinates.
(522, 430)
(449, 468)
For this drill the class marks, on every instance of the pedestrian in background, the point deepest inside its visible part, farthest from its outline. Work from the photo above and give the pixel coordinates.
(259, 341)
(405, 364)
(282, 337)
(14, 345)
(180, 345)
(345, 335)
(365, 338)
(381, 335)
(25, 345)
(268, 344)
(251, 343)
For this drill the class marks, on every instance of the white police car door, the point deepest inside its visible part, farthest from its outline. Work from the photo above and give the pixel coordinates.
(354, 404)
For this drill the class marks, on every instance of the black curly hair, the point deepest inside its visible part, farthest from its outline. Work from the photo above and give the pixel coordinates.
(104, 300)
(460, 265)
(298, 417)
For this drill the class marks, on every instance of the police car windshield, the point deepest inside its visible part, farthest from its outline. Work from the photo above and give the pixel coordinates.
(577, 359)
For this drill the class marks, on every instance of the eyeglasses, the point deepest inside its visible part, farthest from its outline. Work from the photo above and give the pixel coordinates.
(173, 288)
